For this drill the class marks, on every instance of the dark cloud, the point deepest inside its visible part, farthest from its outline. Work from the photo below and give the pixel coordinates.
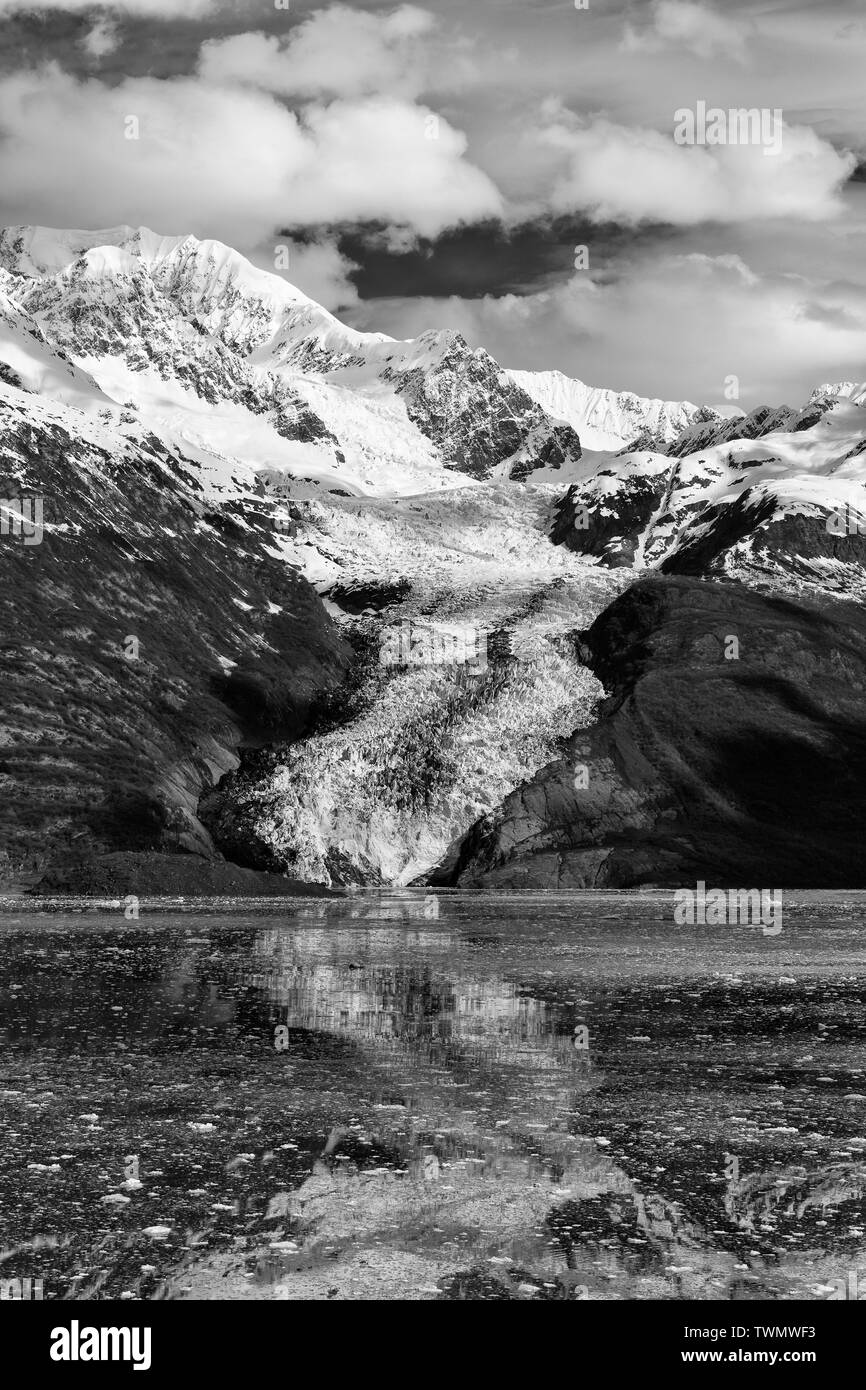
(490, 258)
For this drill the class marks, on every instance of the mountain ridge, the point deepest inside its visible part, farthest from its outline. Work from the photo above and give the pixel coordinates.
(203, 288)
(262, 497)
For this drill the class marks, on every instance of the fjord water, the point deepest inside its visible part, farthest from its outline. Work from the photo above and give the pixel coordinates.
(461, 1095)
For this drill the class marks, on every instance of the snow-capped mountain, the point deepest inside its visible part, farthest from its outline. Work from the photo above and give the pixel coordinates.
(779, 493)
(259, 495)
(853, 390)
(612, 420)
(245, 375)
(173, 407)
(240, 372)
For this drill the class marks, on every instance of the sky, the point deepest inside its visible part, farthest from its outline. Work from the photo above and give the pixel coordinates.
(506, 168)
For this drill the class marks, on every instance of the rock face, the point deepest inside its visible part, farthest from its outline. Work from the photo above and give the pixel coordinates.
(476, 414)
(775, 497)
(763, 420)
(147, 874)
(609, 517)
(145, 636)
(731, 748)
(777, 539)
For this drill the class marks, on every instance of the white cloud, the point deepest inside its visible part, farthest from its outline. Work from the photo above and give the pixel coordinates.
(629, 174)
(227, 163)
(680, 23)
(335, 52)
(382, 158)
(102, 39)
(318, 268)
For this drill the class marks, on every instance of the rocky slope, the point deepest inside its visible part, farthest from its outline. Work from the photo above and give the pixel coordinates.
(144, 637)
(774, 497)
(731, 748)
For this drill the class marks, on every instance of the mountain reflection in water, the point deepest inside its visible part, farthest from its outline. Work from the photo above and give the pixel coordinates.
(522, 1096)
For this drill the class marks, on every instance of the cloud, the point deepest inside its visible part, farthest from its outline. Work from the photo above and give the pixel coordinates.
(630, 174)
(143, 9)
(102, 39)
(317, 267)
(675, 327)
(382, 158)
(342, 52)
(682, 24)
(232, 164)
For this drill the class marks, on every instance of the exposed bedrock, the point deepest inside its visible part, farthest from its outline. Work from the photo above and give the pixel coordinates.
(731, 748)
(145, 639)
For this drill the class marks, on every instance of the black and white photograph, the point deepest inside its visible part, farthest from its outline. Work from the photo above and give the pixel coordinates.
(432, 668)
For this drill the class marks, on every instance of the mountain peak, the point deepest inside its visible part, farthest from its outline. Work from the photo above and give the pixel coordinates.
(206, 280)
(39, 251)
(851, 390)
(606, 419)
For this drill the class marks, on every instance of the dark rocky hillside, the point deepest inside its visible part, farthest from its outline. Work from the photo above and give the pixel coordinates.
(477, 415)
(108, 746)
(739, 762)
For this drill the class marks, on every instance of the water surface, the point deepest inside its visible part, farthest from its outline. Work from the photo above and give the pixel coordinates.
(399, 1095)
